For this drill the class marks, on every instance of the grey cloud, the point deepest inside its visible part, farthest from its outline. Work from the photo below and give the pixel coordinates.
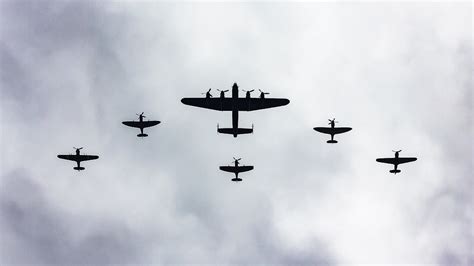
(42, 234)
(71, 71)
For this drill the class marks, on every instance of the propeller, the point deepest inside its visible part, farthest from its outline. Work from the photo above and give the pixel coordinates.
(333, 120)
(262, 92)
(78, 148)
(248, 90)
(236, 160)
(208, 92)
(397, 151)
(222, 90)
(141, 114)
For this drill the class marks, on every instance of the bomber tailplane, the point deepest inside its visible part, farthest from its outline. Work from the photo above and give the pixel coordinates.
(235, 132)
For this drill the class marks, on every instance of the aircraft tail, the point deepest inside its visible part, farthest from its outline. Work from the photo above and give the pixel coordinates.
(231, 131)
(395, 171)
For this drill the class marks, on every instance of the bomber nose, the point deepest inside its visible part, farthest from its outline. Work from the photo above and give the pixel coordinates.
(235, 86)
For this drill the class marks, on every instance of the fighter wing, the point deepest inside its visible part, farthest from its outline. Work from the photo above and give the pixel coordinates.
(332, 131)
(406, 160)
(387, 160)
(139, 124)
(252, 104)
(239, 169)
(219, 104)
(245, 168)
(87, 157)
(230, 169)
(69, 157)
(396, 160)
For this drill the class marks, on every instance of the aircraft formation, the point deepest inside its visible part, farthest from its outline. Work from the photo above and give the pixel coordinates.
(236, 104)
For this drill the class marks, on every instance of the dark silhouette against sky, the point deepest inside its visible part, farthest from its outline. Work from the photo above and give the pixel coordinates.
(78, 158)
(332, 130)
(396, 161)
(235, 104)
(399, 74)
(141, 124)
(236, 169)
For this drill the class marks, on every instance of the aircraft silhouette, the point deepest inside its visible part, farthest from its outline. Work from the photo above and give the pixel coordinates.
(396, 161)
(141, 124)
(235, 104)
(78, 158)
(236, 169)
(332, 130)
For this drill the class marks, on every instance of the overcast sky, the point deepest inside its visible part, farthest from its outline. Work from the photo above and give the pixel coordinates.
(399, 74)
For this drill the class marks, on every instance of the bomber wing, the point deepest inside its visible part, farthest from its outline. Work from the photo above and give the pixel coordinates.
(252, 104)
(219, 104)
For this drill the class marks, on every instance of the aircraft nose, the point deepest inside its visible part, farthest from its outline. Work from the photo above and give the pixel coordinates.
(235, 85)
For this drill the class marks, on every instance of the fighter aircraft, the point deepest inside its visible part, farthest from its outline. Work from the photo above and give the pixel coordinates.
(78, 158)
(235, 104)
(141, 124)
(396, 161)
(236, 169)
(332, 130)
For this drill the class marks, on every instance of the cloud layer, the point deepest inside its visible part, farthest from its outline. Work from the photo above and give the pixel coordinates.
(399, 74)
